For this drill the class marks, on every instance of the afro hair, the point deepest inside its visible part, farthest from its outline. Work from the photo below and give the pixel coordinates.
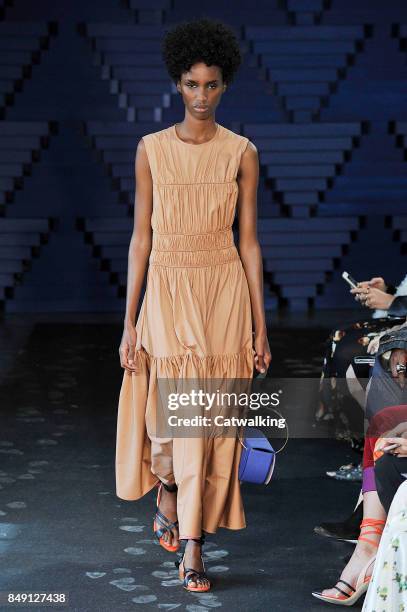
(202, 40)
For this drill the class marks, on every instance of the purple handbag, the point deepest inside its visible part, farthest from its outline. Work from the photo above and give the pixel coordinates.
(258, 458)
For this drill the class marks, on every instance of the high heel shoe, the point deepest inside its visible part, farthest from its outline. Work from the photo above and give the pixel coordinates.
(362, 583)
(188, 574)
(162, 523)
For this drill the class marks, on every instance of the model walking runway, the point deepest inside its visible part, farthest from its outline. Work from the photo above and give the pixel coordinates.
(194, 322)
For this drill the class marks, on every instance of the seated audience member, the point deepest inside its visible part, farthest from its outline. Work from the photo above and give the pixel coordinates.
(336, 403)
(386, 410)
(336, 400)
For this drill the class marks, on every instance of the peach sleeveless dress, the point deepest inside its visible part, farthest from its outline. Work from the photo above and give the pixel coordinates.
(195, 321)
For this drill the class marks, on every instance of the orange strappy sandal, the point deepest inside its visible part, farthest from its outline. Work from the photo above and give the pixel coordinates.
(162, 523)
(362, 582)
(188, 574)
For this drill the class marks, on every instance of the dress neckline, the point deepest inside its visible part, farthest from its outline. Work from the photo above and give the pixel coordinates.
(199, 144)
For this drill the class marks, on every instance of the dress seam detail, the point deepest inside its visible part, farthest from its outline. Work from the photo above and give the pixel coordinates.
(196, 183)
(192, 234)
(185, 265)
(210, 248)
(188, 355)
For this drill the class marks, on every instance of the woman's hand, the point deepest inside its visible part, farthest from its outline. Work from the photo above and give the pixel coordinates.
(400, 450)
(398, 358)
(262, 357)
(376, 283)
(372, 298)
(128, 347)
(397, 435)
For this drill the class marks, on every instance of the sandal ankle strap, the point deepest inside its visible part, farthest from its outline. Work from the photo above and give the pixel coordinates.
(184, 541)
(377, 526)
(171, 488)
(200, 540)
(371, 522)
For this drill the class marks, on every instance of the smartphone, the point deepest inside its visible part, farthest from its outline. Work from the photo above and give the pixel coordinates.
(364, 360)
(351, 281)
(386, 449)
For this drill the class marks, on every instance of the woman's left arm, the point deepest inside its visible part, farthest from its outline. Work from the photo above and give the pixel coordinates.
(250, 252)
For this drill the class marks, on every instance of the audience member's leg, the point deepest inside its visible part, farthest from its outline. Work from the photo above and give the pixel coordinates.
(371, 528)
(387, 589)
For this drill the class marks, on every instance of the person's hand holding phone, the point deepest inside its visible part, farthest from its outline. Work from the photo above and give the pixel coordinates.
(371, 297)
(395, 446)
(393, 441)
(377, 282)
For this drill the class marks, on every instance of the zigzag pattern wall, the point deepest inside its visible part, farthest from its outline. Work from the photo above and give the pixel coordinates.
(321, 93)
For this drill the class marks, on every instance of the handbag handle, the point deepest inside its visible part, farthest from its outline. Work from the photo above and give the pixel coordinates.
(287, 436)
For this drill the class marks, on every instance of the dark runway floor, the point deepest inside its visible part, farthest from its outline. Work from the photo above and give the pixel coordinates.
(63, 530)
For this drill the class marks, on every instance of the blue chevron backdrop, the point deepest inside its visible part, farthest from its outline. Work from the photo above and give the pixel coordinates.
(322, 93)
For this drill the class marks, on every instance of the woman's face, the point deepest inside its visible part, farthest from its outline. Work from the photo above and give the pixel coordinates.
(201, 88)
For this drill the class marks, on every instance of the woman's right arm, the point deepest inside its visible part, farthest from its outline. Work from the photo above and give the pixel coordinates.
(139, 251)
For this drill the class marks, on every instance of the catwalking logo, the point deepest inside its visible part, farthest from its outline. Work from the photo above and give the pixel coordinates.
(206, 400)
(221, 421)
